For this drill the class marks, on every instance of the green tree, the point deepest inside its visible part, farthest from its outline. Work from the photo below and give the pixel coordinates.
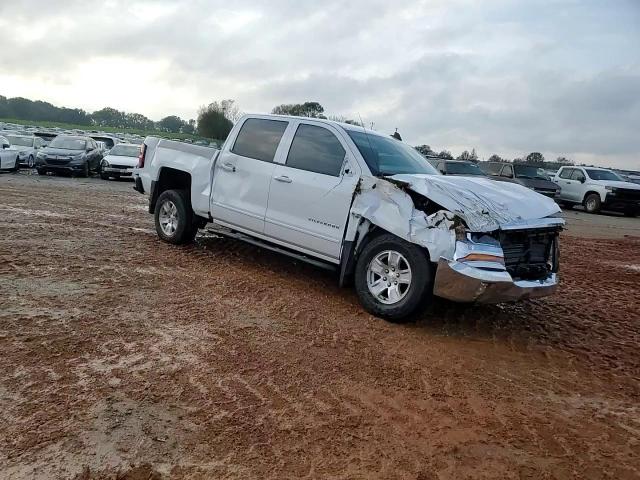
(212, 121)
(425, 150)
(172, 124)
(446, 154)
(109, 117)
(496, 158)
(306, 109)
(534, 157)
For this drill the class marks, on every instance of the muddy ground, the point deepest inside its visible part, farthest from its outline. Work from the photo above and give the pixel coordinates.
(124, 357)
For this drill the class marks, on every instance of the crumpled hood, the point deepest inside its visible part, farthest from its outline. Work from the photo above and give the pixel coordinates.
(484, 204)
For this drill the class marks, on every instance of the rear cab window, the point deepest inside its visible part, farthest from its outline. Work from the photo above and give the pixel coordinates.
(259, 138)
(316, 149)
(577, 175)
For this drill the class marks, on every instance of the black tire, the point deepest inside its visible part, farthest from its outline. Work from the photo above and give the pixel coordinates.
(566, 205)
(631, 213)
(85, 170)
(186, 229)
(41, 171)
(420, 290)
(592, 203)
(31, 161)
(104, 176)
(16, 167)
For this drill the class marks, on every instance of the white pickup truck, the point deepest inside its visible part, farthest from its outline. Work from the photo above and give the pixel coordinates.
(365, 204)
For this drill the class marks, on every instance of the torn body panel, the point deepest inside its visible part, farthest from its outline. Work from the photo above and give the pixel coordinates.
(387, 205)
(490, 245)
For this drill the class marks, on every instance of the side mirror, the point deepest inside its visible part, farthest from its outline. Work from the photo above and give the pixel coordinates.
(582, 179)
(5, 146)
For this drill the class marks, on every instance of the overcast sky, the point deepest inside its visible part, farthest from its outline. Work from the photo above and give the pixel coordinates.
(508, 77)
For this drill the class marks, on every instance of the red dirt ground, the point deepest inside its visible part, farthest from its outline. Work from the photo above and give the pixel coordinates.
(124, 357)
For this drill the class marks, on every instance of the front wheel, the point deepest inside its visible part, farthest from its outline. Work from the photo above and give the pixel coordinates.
(174, 217)
(592, 203)
(393, 278)
(16, 167)
(31, 162)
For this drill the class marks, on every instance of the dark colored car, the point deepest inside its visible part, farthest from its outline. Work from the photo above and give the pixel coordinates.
(71, 154)
(109, 141)
(457, 167)
(529, 176)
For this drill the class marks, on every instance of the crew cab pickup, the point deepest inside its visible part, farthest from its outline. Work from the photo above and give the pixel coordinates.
(596, 189)
(365, 204)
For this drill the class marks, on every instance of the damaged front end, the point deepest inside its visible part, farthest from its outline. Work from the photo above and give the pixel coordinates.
(508, 254)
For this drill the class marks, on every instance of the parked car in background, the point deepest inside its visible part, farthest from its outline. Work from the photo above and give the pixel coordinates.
(71, 154)
(120, 161)
(8, 157)
(456, 167)
(528, 176)
(108, 140)
(27, 147)
(46, 136)
(596, 189)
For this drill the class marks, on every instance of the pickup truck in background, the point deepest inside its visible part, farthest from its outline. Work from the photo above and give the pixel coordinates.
(596, 189)
(362, 203)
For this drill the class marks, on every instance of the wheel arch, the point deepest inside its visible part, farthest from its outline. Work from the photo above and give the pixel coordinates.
(593, 192)
(168, 179)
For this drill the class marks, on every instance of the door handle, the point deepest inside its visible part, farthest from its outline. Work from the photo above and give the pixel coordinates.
(229, 167)
(284, 179)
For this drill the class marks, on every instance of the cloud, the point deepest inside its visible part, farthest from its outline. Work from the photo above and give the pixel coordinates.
(507, 77)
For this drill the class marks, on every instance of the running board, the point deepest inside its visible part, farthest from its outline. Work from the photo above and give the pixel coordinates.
(225, 232)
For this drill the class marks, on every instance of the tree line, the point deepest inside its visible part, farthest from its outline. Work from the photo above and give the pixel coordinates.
(38, 111)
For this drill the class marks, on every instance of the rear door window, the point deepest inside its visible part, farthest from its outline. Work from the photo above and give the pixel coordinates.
(259, 139)
(566, 173)
(316, 149)
(577, 175)
(507, 171)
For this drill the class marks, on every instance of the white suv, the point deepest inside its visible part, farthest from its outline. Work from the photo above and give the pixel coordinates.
(596, 189)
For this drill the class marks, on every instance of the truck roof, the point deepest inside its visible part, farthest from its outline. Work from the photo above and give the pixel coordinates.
(345, 126)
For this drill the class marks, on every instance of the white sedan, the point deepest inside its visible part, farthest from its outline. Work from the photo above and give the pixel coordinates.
(120, 161)
(8, 157)
(27, 147)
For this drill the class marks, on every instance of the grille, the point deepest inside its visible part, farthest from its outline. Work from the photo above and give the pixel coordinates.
(527, 253)
(628, 194)
(120, 166)
(54, 161)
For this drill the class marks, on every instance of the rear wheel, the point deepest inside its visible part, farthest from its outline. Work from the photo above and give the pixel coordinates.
(592, 203)
(393, 278)
(631, 213)
(41, 171)
(174, 217)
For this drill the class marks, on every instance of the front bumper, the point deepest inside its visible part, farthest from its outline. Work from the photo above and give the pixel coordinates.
(70, 168)
(615, 203)
(122, 172)
(463, 283)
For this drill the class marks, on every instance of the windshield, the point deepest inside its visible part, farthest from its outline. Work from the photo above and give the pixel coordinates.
(22, 141)
(68, 143)
(388, 156)
(461, 168)
(530, 171)
(603, 175)
(125, 150)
